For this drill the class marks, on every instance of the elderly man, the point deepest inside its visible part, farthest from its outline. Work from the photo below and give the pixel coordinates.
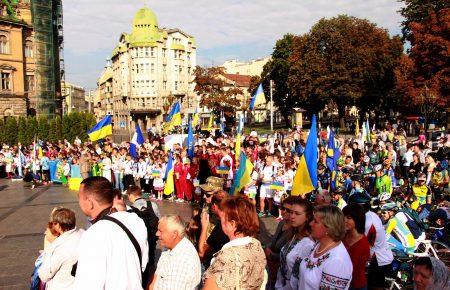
(113, 252)
(179, 266)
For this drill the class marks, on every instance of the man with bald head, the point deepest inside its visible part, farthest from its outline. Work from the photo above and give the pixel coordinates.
(113, 252)
(179, 265)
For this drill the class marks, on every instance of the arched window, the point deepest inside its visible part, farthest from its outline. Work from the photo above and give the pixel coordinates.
(29, 48)
(4, 44)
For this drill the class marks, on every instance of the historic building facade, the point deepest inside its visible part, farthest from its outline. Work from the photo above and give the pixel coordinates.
(251, 68)
(151, 68)
(30, 41)
(73, 98)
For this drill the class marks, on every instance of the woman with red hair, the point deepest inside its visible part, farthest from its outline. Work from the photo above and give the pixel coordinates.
(241, 262)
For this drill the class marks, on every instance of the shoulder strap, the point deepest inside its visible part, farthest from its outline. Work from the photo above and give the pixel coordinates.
(129, 234)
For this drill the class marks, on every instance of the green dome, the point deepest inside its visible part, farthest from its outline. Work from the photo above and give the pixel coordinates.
(145, 28)
(145, 18)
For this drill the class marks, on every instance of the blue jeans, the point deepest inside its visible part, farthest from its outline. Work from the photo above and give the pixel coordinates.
(118, 184)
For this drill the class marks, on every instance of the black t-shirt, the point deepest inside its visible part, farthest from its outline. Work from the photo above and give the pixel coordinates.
(215, 241)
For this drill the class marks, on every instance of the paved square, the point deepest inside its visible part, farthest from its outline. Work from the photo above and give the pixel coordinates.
(24, 213)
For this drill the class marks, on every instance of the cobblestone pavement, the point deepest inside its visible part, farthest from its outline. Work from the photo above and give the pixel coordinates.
(24, 213)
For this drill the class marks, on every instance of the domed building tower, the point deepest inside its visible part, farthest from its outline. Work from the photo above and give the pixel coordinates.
(151, 68)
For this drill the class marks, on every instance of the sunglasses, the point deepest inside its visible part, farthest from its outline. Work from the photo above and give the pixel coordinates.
(208, 194)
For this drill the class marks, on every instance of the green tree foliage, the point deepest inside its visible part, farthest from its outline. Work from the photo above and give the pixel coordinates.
(43, 127)
(345, 59)
(2, 128)
(277, 70)
(22, 130)
(32, 130)
(10, 131)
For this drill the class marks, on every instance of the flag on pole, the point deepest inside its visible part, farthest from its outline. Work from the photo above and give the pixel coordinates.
(196, 118)
(211, 121)
(101, 129)
(368, 131)
(257, 98)
(222, 123)
(243, 175)
(237, 145)
(190, 141)
(305, 179)
(357, 127)
(169, 186)
(136, 142)
(174, 117)
(332, 153)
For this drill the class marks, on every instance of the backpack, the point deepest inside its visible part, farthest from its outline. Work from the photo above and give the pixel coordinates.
(151, 223)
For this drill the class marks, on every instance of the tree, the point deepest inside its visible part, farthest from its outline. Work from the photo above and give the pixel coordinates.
(32, 130)
(345, 59)
(22, 131)
(418, 11)
(277, 70)
(214, 92)
(43, 128)
(10, 131)
(2, 129)
(423, 82)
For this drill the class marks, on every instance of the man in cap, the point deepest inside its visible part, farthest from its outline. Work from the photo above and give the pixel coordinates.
(213, 184)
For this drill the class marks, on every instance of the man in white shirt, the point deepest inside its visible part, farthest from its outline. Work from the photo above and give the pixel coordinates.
(179, 266)
(108, 258)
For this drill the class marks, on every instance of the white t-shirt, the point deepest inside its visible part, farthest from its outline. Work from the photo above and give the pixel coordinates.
(376, 236)
(268, 173)
(332, 270)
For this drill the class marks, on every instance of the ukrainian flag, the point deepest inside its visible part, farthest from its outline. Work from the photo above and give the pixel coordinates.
(196, 119)
(237, 145)
(174, 117)
(305, 179)
(169, 187)
(257, 98)
(101, 129)
(243, 175)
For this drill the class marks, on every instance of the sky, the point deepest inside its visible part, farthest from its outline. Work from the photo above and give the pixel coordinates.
(223, 29)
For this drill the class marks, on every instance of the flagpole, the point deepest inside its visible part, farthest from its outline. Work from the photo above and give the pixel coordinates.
(271, 105)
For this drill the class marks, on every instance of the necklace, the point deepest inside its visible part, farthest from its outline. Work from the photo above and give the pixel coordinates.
(324, 249)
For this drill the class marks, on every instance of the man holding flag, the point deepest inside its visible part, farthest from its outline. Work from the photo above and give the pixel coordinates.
(136, 142)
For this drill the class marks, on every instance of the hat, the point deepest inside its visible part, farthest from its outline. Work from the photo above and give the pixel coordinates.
(378, 167)
(253, 134)
(213, 184)
(390, 206)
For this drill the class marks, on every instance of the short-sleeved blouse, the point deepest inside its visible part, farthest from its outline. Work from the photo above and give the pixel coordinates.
(245, 254)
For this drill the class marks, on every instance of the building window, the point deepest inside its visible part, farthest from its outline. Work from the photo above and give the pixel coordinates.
(152, 52)
(164, 68)
(175, 86)
(6, 81)
(29, 83)
(165, 85)
(164, 52)
(153, 68)
(4, 44)
(28, 48)
(146, 51)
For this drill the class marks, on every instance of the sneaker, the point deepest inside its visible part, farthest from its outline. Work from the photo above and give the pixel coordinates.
(261, 214)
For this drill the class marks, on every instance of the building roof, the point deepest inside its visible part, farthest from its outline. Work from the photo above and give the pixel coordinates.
(240, 80)
(145, 30)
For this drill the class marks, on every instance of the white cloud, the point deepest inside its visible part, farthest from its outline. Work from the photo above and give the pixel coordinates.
(95, 26)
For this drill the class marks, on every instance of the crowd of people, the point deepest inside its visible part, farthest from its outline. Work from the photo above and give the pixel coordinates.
(376, 201)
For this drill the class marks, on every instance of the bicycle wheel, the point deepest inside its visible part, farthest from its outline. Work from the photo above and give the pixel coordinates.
(442, 252)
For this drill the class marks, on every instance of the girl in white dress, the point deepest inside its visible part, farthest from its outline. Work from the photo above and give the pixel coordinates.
(328, 266)
(300, 215)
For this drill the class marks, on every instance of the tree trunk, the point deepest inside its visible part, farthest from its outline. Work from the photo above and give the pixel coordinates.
(341, 112)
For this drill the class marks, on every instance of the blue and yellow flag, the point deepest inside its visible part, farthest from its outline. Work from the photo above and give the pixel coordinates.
(333, 153)
(190, 141)
(196, 119)
(257, 98)
(101, 129)
(169, 187)
(174, 118)
(237, 145)
(243, 175)
(305, 179)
